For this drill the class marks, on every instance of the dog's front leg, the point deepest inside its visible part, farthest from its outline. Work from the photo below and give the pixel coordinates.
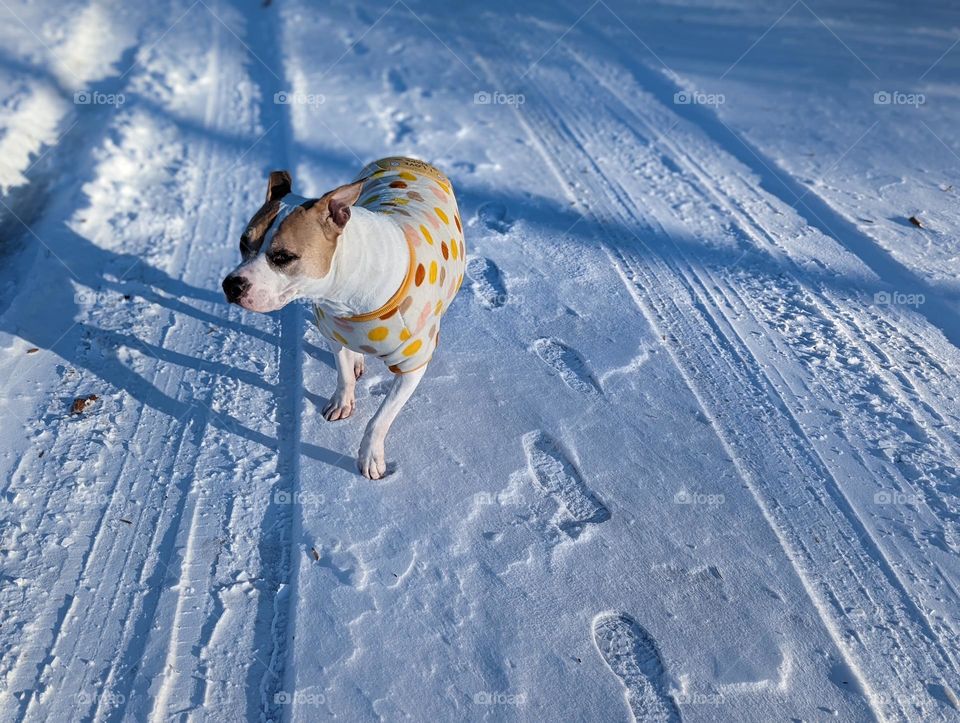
(343, 400)
(371, 460)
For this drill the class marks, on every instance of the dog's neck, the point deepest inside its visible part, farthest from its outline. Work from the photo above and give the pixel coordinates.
(369, 265)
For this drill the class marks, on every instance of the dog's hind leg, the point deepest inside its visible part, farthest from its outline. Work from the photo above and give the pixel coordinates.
(371, 460)
(343, 401)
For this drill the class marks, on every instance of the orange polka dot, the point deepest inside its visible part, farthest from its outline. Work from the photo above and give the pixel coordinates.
(456, 220)
(420, 274)
(413, 348)
(441, 214)
(444, 250)
(398, 184)
(433, 272)
(378, 333)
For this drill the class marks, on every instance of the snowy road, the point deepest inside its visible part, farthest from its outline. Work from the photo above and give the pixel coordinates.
(690, 448)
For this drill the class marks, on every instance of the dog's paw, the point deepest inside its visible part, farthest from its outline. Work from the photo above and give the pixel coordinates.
(340, 406)
(358, 367)
(372, 460)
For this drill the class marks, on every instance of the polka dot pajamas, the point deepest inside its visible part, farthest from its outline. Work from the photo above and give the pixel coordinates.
(404, 331)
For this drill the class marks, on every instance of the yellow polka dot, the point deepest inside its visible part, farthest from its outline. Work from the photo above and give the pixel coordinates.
(453, 248)
(413, 348)
(339, 338)
(407, 176)
(439, 308)
(441, 214)
(426, 235)
(378, 333)
(369, 199)
(433, 272)
(401, 201)
(405, 334)
(444, 186)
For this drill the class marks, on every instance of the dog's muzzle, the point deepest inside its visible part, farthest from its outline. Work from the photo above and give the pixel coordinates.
(235, 287)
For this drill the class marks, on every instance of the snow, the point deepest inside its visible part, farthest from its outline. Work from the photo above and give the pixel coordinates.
(689, 448)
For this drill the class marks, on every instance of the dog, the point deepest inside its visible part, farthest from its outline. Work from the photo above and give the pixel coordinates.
(381, 258)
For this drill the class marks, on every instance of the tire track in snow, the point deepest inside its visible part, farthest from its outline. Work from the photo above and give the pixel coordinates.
(52, 636)
(840, 338)
(707, 344)
(282, 518)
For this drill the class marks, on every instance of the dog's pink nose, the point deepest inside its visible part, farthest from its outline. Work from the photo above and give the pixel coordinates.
(234, 287)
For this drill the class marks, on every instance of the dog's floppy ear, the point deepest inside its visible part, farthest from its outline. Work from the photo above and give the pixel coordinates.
(279, 185)
(341, 199)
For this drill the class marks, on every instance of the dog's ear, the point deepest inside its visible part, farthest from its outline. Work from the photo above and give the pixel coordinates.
(341, 199)
(279, 185)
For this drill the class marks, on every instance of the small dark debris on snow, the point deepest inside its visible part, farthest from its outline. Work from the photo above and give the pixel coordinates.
(127, 297)
(125, 521)
(916, 222)
(316, 555)
(80, 404)
(40, 454)
(32, 350)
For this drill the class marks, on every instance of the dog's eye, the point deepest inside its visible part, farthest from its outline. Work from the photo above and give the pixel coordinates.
(282, 258)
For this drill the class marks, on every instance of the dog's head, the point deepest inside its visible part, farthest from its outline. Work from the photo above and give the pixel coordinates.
(288, 245)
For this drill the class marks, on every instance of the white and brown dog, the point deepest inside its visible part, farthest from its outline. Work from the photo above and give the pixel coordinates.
(380, 275)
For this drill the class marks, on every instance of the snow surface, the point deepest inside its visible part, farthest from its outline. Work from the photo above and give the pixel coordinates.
(689, 448)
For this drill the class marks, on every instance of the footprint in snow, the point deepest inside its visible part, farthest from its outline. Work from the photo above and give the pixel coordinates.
(487, 282)
(394, 81)
(493, 215)
(554, 475)
(568, 363)
(632, 655)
